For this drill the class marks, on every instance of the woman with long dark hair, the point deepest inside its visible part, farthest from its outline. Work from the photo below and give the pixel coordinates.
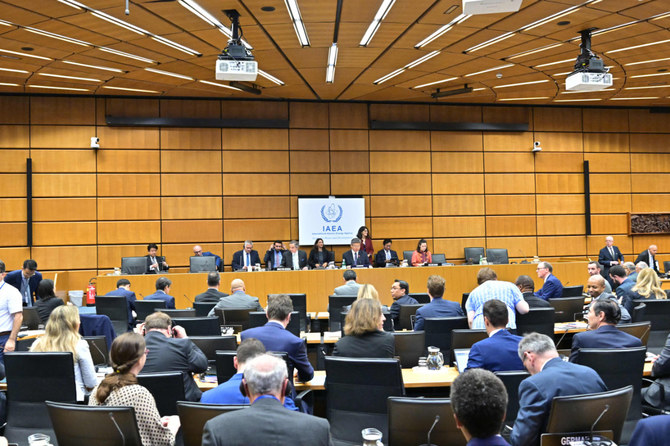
(421, 256)
(319, 256)
(366, 241)
(47, 299)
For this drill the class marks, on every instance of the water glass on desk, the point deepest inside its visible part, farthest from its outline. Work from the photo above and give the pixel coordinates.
(39, 440)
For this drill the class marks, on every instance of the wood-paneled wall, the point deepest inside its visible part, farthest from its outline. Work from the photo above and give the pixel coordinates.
(217, 187)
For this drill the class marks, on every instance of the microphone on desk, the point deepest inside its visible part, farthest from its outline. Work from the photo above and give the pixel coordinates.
(192, 304)
(430, 431)
(599, 441)
(123, 437)
(101, 353)
(141, 295)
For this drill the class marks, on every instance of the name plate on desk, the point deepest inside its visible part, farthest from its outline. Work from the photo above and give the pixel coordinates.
(284, 269)
(574, 438)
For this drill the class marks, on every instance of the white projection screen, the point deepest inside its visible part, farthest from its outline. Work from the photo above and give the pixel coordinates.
(335, 220)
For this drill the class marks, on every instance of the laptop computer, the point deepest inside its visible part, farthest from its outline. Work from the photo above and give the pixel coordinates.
(461, 355)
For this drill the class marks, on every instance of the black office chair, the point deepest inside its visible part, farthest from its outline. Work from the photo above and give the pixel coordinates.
(407, 255)
(438, 331)
(465, 338)
(166, 387)
(356, 393)
(193, 417)
(512, 379)
(638, 329)
(497, 256)
(199, 326)
(409, 347)
(144, 308)
(422, 298)
(259, 318)
(189, 312)
(577, 413)
(202, 309)
(410, 419)
(210, 344)
(23, 345)
(568, 309)
(31, 318)
(639, 313)
(76, 424)
(474, 254)
(225, 368)
(98, 347)
(658, 313)
(464, 300)
(666, 267)
(540, 320)
(572, 291)
(438, 259)
(33, 378)
(238, 317)
(405, 316)
(116, 308)
(335, 305)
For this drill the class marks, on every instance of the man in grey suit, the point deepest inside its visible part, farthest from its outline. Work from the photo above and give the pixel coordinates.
(266, 421)
(238, 299)
(350, 287)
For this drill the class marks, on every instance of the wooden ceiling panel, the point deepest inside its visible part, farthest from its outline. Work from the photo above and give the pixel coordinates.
(358, 57)
(646, 9)
(279, 15)
(173, 12)
(21, 15)
(605, 23)
(308, 57)
(405, 11)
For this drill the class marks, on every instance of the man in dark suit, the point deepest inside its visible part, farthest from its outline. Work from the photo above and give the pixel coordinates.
(170, 350)
(552, 288)
(652, 431)
(212, 294)
(155, 264)
(551, 377)
(400, 295)
(437, 307)
(354, 257)
(623, 282)
(123, 290)
(274, 256)
(499, 352)
(238, 299)
(479, 401)
(387, 256)
(649, 257)
(595, 269)
(245, 258)
(197, 251)
(163, 285)
(295, 258)
(609, 256)
(26, 281)
(266, 421)
(603, 316)
(527, 288)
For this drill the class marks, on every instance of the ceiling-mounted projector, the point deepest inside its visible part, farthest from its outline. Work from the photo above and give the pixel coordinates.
(490, 6)
(236, 63)
(590, 73)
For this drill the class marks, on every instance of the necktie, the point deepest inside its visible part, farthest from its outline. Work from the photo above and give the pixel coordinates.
(388, 255)
(248, 261)
(26, 292)
(612, 252)
(355, 258)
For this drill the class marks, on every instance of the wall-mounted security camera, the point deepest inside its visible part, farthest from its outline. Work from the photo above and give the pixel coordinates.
(536, 146)
(95, 142)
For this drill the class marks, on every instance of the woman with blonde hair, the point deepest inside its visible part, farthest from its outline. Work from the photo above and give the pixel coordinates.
(62, 335)
(363, 332)
(648, 286)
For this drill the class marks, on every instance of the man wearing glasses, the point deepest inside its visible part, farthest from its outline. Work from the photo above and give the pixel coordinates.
(552, 287)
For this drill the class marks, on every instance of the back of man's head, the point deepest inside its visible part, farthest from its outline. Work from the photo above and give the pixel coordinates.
(349, 275)
(30, 264)
(536, 343)
(479, 401)
(618, 271)
(610, 308)
(213, 279)
(629, 266)
(157, 320)
(279, 307)
(249, 349)
(265, 375)
(122, 282)
(162, 283)
(496, 312)
(486, 274)
(236, 284)
(435, 286)
(525, 283)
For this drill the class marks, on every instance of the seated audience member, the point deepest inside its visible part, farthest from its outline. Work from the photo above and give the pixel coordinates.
(437, 307)
(631, 270)
(197, 251)
(492, 288)
(229, 392)
(25, 280)
(603, 316)
(594, 268)
(274, 257)
(266, 421)
(120, 388)
(123, 290)
(295, 258)
(163, 285)
(386, 257)
(11, 315)
(364, 335)
(350, 287)
(421, 256)
(527, 288)
(499, 351)
(400, 295)
(648, 256)
(639, 266)
(652, 431)
(479, 402)
(319, 256)
(47, 299)
(552, 288)
(656, 394)
(550, 377)
(246, 257)
(355, 257)
(595, 287)
(170, 350)
(212, 294)
(237, 299)
(155, 264)
(62, 335)
(622, 282)
(367, 291)
(648, 286)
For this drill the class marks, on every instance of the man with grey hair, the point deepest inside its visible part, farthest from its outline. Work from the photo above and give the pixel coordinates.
(609, 256)
(631, 272)
(552, 287)
(295, 258)
(639, 266)
(550, 377)
(238, 299)
(354, 257)
(595, 268)
(246, 258)
(266, 421)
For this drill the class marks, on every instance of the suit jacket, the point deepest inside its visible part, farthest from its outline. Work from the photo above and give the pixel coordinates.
(374, 344)
(625, 287)
(380, 258)
(269, 259)
(161, 268)
(496, 353)
(239, 299)
(238, 259)
(362, 259)
(130, 298)
(15, 278)
(161, 295)
(604, 258)
(313, 260)
(535, 302)
(277, 339)
(395, 306)
(266, 422)
(558, 378)
(496, 440)
(288, 259)
(217, 260)
(551, 289)
(211, 295)
(661, 367)
(438, 307)
(606, 336)
(652, 431)
(175, 355)
(643, 257)
(229, 393)
(348, 289)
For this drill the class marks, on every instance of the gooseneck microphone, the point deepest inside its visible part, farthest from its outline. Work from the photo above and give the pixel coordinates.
(599, 441)
(123, 437)
(430, 431)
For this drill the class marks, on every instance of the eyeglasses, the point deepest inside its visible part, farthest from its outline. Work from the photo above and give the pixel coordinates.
(197, 252)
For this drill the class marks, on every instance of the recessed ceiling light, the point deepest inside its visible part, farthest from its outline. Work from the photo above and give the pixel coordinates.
(524, 99)
(86, 79)
(634, 99)
(521, 83)
(49, 87)
(139, 90)
(436, 82)
(6, 84)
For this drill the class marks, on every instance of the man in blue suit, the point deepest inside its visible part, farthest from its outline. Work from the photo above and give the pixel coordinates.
(123, 290)
(652, 431)
(163, 285)
(550, 377)
(26, 281)
(354, 257)
(386, 257)
(609, 256)
(499, 351)
(552, 287)
(437, 307)
(246, 257)
(197, 251)
(603, 316)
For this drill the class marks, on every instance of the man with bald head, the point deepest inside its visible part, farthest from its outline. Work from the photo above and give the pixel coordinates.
(237, 299)
(594, 268)
(197, 251)
(609, 256)
(649, 257)
(595, 287)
